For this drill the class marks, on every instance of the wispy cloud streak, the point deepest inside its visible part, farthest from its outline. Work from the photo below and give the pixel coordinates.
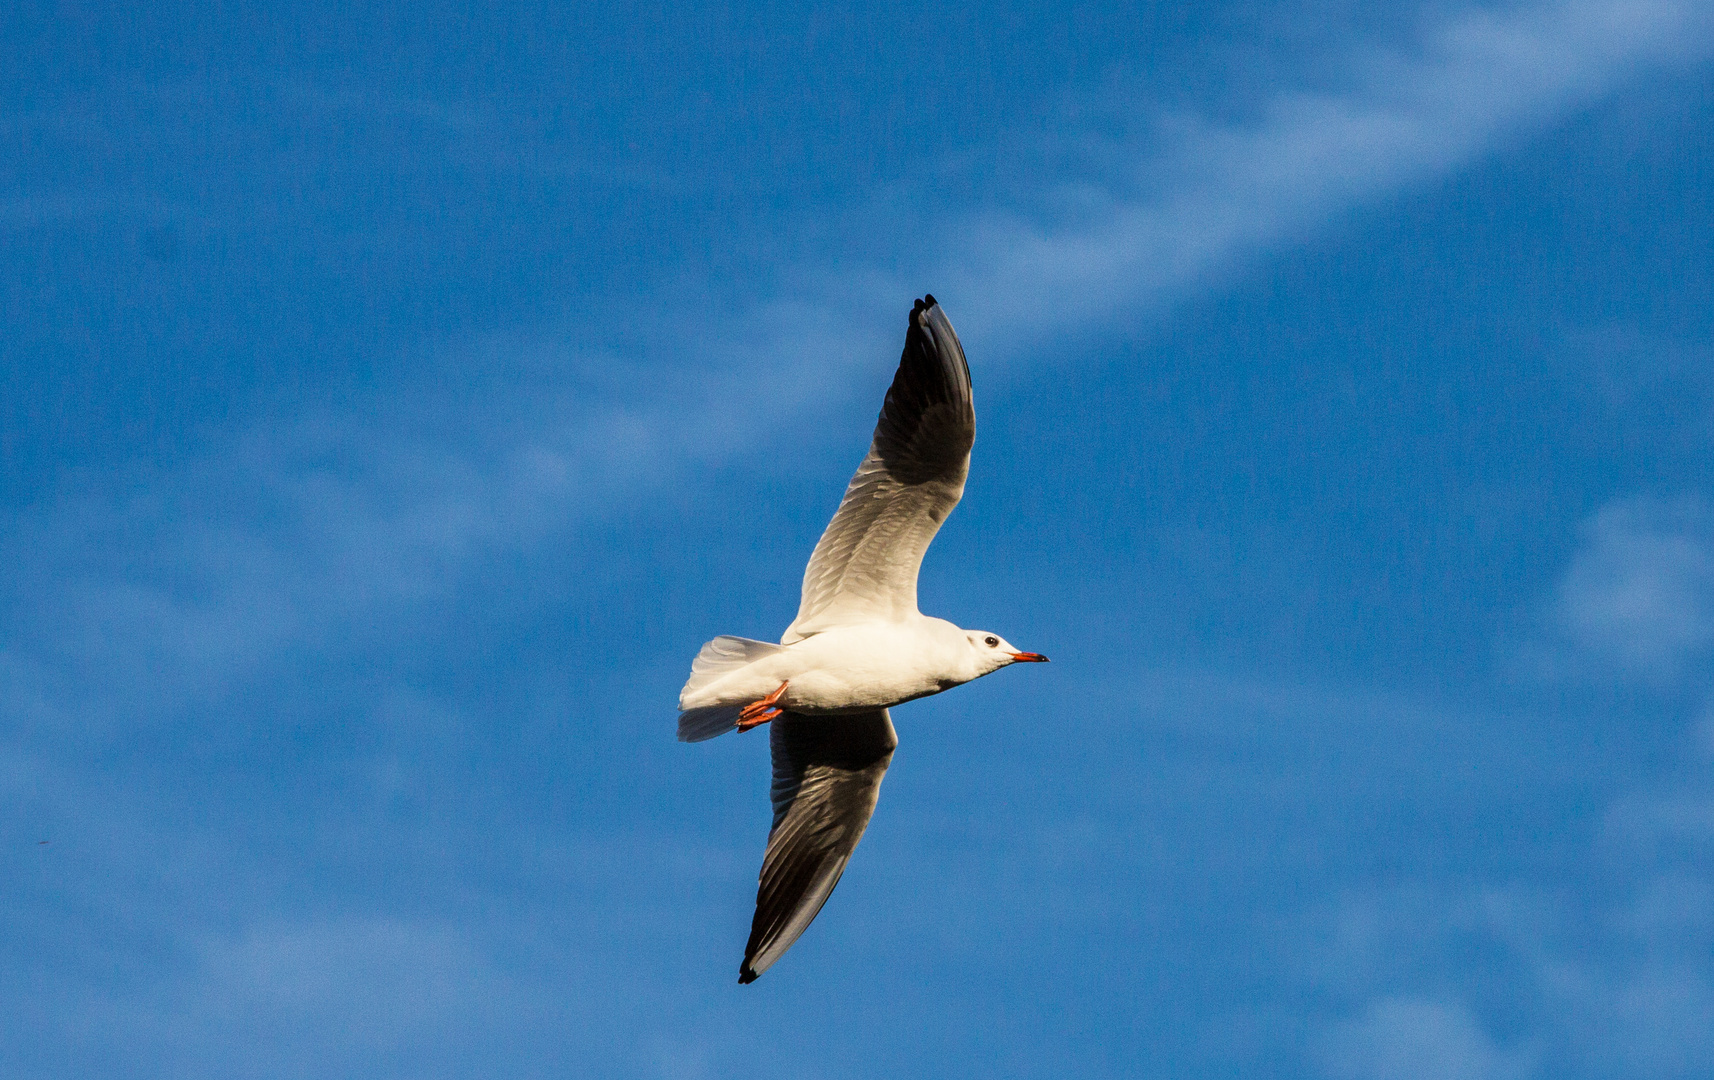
(1216, 193)
(1637, 600)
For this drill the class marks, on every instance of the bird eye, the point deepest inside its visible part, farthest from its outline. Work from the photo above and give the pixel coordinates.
(991, 641)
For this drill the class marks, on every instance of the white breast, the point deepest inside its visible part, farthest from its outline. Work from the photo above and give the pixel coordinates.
(850, 669)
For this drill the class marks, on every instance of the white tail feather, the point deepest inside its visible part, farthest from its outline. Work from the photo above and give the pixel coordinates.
(722, 655)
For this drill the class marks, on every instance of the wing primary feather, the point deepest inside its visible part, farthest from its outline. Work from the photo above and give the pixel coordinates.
(927, 423)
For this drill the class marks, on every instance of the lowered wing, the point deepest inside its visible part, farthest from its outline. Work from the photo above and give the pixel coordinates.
(827, 776)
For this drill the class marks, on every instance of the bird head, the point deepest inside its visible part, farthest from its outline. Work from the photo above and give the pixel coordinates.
(994, 652)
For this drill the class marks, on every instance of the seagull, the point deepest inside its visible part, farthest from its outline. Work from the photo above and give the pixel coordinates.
(858, 645)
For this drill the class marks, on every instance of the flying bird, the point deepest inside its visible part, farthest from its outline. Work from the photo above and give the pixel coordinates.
(858, 645)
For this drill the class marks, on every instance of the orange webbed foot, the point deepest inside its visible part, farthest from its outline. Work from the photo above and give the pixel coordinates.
(760, 712)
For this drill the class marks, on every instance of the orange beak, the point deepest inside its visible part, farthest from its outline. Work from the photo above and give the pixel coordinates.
(1029, 658)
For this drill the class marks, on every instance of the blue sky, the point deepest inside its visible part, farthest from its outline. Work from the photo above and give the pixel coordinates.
(393, 399)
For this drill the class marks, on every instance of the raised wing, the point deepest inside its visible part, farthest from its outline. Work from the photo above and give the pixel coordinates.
(865, 566)
(827, 776)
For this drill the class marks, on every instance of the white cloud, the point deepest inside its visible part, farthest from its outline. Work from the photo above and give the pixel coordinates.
(1630, 990)
(1468, 80)
(1639, 594)
(1604, 977)
(1620, 989)
(1406, 1038)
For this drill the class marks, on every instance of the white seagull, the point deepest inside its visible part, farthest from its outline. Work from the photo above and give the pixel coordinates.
(858, 644)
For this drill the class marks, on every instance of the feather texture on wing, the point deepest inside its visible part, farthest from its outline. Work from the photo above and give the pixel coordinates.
(827, 777)
(865, 566)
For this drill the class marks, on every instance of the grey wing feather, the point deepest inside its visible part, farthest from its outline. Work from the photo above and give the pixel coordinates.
(827, 776)
(866, 564)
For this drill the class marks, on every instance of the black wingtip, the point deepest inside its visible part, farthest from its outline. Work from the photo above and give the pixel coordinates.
(923, 305)
(745, 975)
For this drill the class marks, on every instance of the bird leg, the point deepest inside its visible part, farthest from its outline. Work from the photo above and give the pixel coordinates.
(760, 712)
